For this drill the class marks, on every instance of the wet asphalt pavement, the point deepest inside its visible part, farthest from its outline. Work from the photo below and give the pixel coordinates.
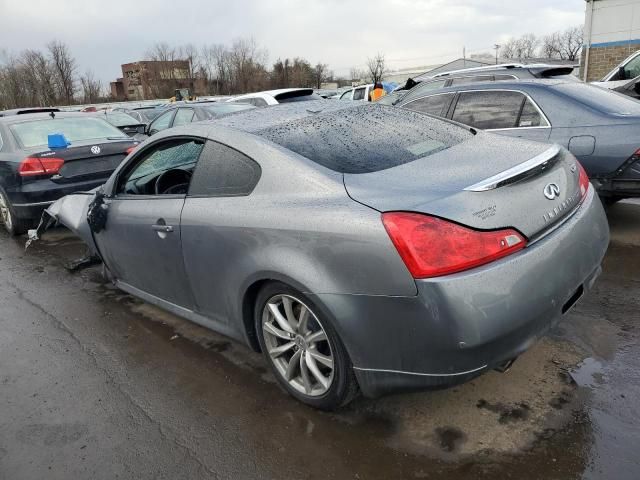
(95, 384)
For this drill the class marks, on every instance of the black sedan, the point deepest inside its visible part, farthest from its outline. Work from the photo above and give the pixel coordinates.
(36, 169)
(193, 112)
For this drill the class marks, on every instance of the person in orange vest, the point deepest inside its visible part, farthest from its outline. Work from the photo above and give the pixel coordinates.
(377, 92)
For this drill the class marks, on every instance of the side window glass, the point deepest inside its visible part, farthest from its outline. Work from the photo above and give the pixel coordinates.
(489, 109)
(223, 172)
(358, 94)
(163, 169)
(161, 123)
(632, 69)
(435, 104)
(468, 80)
(531, 117)
(346, 95)
(259, 102)
(433, 85)
(183, 116)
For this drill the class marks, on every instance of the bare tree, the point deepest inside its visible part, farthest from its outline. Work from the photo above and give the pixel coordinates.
(520, 48)
(376, 68)
(91, 87)
(563, 45)
(64, 68)
(571, 43)
(320, 73)
(551, 46)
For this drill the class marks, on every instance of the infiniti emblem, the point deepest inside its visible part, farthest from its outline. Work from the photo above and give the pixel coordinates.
(95, 149)
(551, 191)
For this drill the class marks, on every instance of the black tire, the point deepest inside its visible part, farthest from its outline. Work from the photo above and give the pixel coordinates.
(344, 386)
(13, 225)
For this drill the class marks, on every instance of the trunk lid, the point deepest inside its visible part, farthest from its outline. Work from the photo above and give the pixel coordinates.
(489, 182)
(87, 160)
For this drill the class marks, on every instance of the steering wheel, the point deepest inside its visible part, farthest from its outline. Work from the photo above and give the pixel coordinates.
(174, 181)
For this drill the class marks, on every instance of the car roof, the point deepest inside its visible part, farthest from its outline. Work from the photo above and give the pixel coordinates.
(27, 117)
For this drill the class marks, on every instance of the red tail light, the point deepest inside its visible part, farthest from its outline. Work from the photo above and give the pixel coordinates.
(583, 181)
(32, 166)
(431, 247)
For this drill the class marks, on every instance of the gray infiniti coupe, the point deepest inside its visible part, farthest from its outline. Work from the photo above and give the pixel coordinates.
(360, 247)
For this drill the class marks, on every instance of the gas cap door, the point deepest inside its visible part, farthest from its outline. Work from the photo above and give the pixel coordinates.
(582, 145)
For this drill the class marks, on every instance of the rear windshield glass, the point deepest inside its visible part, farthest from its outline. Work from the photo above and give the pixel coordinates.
(36, 132)
(288, 97)
(366, 138)
(601, 99)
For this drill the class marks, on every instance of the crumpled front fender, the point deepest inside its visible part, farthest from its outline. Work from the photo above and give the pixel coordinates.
(70, 211)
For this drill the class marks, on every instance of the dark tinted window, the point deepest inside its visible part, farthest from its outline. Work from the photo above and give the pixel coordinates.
(366, 138)
(435, 104)
(489, 109)
(298, 98)
(223, 171)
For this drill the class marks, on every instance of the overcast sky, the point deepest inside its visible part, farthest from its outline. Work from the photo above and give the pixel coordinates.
(102, 34)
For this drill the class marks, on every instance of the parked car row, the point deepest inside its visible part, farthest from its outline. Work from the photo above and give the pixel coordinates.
(359, 246)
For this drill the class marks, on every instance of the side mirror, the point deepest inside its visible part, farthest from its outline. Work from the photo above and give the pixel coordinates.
(622, 75)
(142, 129)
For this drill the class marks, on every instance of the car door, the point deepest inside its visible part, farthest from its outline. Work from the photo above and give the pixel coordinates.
(506, 112)
(141, 243)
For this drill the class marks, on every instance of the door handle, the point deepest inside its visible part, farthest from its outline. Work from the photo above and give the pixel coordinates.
(162, 228)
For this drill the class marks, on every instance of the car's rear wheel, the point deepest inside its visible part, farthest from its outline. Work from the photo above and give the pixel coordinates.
(13, 225)
(304, 351)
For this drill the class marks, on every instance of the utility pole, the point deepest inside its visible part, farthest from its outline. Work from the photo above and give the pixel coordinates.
(464, 57)
(496, 47)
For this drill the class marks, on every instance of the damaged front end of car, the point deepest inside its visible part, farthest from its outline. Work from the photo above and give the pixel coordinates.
(83, 213)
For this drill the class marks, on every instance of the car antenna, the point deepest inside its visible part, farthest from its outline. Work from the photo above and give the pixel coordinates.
(52, 114)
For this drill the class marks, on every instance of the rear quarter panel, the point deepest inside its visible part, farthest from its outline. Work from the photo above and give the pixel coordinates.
(298, 226)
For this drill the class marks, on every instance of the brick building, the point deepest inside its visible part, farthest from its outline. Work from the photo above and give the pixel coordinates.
(612, 33)
(147, 80)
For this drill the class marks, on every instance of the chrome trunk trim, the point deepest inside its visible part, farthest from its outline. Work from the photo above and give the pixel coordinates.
(529, 168)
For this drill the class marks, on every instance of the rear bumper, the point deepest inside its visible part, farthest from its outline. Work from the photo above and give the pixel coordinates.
(461, 325)
(624, 183)
(29, 200)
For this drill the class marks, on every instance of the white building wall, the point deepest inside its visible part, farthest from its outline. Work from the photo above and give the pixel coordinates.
(612, 22)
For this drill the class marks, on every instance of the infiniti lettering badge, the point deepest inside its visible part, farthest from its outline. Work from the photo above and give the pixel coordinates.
(551, 191)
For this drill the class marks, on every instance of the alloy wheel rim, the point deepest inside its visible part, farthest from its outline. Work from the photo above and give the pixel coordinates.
(4, 212)
(297, 345)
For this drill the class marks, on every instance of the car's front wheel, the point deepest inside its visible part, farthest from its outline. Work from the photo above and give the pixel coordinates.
(303, 349)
